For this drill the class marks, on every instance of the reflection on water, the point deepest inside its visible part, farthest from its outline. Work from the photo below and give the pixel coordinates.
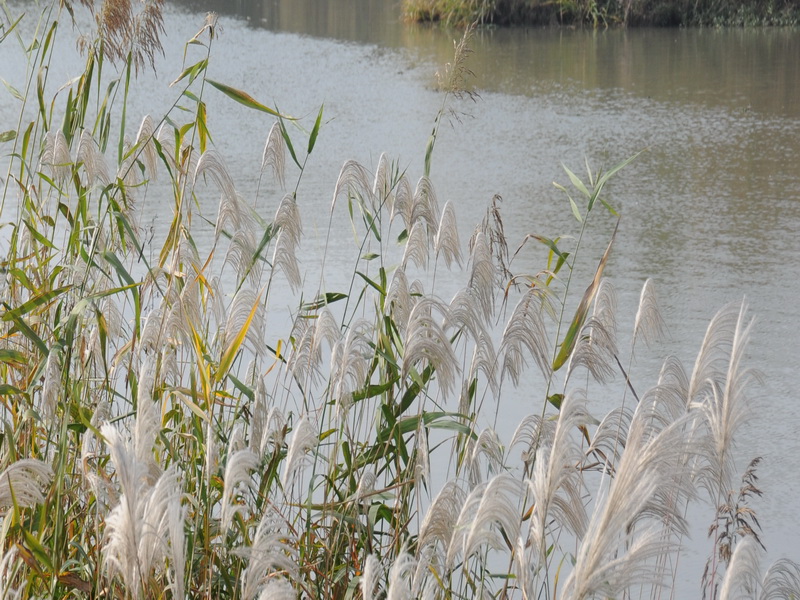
(364, 21)
(745, 69)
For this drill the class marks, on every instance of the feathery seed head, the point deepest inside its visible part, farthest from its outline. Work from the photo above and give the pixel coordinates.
(145, 148)
(371, 577)
(425, 340)
(56, 155)
(417, 248)
(649, 325)
(482, 275)
(274, 155)
(304, 440)
(51, 388)
(446, 242)
(93, 160)
(353, 180)
(525, 331)
(237, 477)
(425, 207)
(22, 482)
(398, 299)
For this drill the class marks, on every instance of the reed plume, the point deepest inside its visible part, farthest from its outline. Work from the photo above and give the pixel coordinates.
(22, 482)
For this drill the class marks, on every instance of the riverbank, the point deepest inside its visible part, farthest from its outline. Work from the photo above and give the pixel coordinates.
(660, 13)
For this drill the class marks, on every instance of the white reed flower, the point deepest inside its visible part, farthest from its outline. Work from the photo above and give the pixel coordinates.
(290, 230)
(556, 483)
(270, 554)
(56, 156)
(274, 155)
(238, 467)
(497, 507)
(465, 314)
(649, 325)
(148, 412)
(627, 528)
(366, 485)
(353, 179)
(442, 517)
(484, 359)
(782, 580)
(277, 588)
(22, 481)
(742, 576)
(241, 257)
(145, 148)
(128, 172)
(245, 310)
(93, 160)
(488, 444)
(422, 459)
(525, 330)
(304, 440)
(176, 516)
(595, 350)
(8, 570)
(138, 528)
(403, 203)
(482, 274)
(426, 206)
(712, 360)
(350, 359)
(447, 242)
(371, 577)
(400, 575)
(533, 433)
(382, 184)
(398, 300)
(51, 387)
(417, 248)
(425, 340)
(726, 408)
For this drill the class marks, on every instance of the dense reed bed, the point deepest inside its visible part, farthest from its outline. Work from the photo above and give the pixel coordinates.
(166, 436)
(661, 13)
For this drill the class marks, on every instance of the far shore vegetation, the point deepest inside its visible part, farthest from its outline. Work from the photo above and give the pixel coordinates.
(602, 13)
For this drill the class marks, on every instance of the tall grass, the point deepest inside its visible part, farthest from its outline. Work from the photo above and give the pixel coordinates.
(163, 437)
(672, 13)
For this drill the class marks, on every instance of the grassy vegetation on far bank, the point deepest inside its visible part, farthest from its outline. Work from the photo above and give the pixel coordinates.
(661, 13)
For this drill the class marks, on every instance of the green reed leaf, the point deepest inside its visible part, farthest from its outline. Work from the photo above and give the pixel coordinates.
(15, 358)
(34, 303)
(579, 185)
(191, 72)
(202, 128)
(289, 145)
(25, 330)
(323, 300)
(13, 91)
(11, 28)
(579, 319)
(381, 290)
(244, 98)
(312, 139)
(38, 550)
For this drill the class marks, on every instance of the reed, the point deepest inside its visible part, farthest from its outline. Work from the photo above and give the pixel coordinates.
(161, 440)
(603, 13)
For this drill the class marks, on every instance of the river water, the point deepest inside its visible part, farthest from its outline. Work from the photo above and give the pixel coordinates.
(710, 208)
